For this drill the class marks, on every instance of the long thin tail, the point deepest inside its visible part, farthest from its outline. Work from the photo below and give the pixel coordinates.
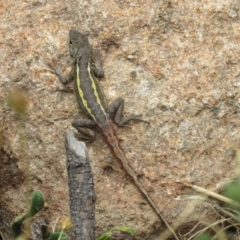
(113, 142)
(129, 170)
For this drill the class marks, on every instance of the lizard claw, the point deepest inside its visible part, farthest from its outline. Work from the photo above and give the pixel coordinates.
(133, 117)
(52, 65)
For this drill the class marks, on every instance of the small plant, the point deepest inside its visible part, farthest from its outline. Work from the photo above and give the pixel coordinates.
(37, 204)
(117, 230)
(204, 237)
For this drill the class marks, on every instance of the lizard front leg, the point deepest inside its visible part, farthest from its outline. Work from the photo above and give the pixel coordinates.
(57, 71)
(96, 64)
(115, 111)
(83, 126)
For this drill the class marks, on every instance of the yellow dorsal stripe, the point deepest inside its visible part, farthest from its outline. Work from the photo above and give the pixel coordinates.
(80, 92)
(95, 89)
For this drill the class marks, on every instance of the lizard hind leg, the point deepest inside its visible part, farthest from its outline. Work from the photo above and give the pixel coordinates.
(115, 111)
(83, 127)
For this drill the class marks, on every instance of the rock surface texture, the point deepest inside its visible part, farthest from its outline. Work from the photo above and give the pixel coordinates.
(175, 62)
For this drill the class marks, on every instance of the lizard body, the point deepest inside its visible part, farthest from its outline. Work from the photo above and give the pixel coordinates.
(92, 102)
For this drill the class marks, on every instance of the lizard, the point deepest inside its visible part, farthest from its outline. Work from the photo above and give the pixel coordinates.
(90, 97)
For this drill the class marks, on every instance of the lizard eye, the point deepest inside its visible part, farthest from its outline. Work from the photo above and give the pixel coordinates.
(70, 42)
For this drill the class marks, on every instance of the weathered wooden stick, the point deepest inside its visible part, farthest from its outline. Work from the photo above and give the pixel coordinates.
(80, 183)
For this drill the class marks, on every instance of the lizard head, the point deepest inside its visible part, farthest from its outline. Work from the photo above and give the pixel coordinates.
(78, 44)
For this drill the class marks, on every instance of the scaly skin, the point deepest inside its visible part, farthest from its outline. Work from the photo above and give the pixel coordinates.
(92, 102)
